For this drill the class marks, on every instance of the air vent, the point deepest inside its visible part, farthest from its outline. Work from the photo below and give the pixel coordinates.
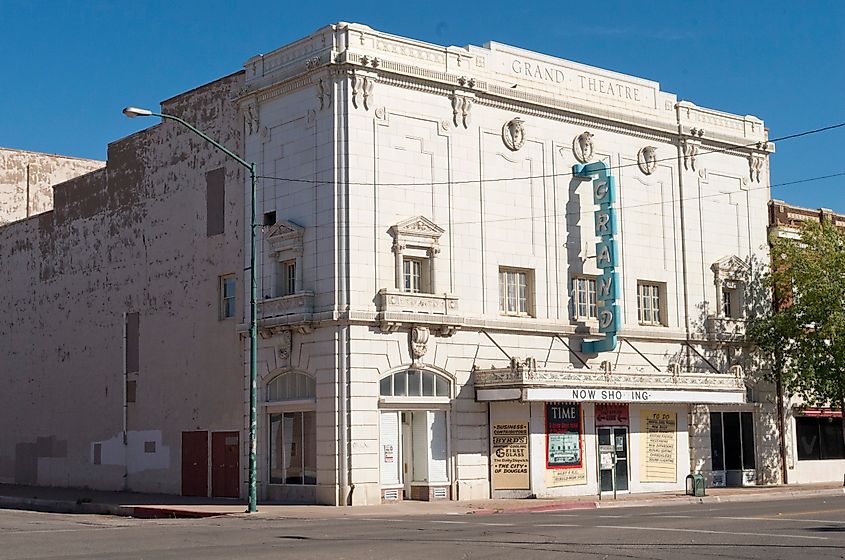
(391, 495)
(439, 493)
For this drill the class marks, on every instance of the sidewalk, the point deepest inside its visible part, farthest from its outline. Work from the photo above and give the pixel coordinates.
(130, 504)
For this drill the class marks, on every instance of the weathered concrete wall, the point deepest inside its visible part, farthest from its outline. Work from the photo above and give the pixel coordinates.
(27, 180)
(130, 238)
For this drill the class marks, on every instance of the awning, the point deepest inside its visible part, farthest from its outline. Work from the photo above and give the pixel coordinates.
(822, 412)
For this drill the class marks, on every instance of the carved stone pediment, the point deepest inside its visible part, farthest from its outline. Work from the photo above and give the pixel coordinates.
(418, 225)
(418, 231)
(729, 266)
(285, 238)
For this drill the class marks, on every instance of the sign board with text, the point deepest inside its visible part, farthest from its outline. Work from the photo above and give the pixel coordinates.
(658, 446)
(509, 457)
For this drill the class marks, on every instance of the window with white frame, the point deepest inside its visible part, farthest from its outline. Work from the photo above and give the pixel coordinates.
(288, 277)
(412, 275)
(228, 296)
(584, 297)
(515, 297)
(649, 308)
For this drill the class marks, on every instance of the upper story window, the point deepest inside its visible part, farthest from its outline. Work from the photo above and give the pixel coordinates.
(228, 296)
(515, 287)
(416, 246)
(286, 241)
(412, 275)
(584, 297)
(288, 277)
(650, 297)
(728, 277)
(729, 306)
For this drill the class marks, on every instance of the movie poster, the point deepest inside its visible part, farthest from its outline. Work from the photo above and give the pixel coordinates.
(563, 432)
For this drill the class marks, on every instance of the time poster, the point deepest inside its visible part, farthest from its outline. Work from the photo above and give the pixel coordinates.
(563, 433)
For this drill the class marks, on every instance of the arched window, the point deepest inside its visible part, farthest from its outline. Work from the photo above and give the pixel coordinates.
(414, 383)
(291, 386)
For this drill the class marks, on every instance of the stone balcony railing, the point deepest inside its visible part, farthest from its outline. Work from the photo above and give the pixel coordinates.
(301, 303)
(724, 328)
(395, 301)
(525, 373)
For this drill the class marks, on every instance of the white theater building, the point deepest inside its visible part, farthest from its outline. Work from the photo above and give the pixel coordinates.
(489, 272)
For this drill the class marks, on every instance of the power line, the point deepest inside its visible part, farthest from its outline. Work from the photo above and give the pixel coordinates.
(553, 175)
(645, 204)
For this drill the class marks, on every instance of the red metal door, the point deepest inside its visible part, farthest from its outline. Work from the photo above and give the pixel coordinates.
(195, 463)
(225, 468)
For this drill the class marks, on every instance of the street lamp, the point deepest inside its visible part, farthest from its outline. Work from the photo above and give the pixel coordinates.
(133, 112)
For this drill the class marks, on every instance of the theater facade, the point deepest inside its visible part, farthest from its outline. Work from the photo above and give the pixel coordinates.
(500, 274)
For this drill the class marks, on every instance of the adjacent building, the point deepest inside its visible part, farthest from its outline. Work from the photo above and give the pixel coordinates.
(812, 440)
(27, 180)
(119, 330)
(483, 272)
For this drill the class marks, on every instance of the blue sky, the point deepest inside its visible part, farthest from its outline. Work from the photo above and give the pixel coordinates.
(70, 67)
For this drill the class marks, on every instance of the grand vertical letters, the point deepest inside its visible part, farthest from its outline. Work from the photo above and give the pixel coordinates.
(604, 195)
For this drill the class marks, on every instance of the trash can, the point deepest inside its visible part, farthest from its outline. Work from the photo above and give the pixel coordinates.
(695, 485)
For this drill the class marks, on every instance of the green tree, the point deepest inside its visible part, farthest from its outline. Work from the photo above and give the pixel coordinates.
(803, 334)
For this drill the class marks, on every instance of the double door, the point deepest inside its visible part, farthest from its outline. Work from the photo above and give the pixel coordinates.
(613, 458)
(225, 469)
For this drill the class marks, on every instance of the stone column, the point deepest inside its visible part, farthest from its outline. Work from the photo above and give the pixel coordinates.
(720, 305)
(432, 269)
(397, 251)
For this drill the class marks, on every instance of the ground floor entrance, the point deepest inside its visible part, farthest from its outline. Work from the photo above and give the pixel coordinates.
(224, 465)
(613, 459)
(414, 455)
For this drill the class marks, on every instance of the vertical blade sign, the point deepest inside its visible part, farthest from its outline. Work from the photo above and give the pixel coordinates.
(604, 195)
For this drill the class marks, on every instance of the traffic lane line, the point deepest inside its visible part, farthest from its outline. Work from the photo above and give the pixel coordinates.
(710, 532)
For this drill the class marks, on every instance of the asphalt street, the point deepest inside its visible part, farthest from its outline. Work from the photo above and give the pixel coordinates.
(795, 528)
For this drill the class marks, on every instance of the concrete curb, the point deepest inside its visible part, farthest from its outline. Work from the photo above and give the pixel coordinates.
(750, 497)
(91, 508)
(62, 506)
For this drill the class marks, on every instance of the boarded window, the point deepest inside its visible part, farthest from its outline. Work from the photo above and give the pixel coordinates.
(131, 343)
(215, 199)
(131, 388)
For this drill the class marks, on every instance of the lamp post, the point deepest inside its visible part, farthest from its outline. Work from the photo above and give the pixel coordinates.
(133, 112)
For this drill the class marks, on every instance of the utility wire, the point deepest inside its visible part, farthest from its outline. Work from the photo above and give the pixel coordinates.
(632, 206)
(553, 175)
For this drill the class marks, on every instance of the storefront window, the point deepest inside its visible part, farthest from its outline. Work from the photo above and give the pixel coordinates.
(732, 440)
(293, 454)
(819, 438)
